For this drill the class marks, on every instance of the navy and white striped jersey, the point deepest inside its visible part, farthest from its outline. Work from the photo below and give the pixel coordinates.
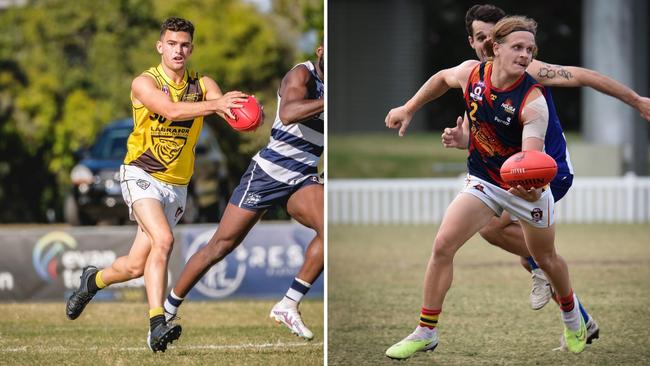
(293, 152)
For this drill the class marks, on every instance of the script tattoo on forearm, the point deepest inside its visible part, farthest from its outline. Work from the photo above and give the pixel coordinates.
(551, 71)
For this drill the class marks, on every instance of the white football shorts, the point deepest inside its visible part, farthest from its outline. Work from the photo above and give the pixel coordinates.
(538, 214)
(137, 184)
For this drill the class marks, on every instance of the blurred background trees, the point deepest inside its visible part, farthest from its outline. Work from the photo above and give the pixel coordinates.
(66, 69)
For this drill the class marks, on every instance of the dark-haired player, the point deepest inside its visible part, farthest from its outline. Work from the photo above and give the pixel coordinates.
(169, 103)
(283, 173)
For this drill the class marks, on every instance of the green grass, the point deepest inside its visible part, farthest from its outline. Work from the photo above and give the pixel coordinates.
(219, 333)
(386, 155)
(375, 280)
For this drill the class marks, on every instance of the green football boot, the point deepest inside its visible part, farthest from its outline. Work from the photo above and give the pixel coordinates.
(576, 340)
(412, 344)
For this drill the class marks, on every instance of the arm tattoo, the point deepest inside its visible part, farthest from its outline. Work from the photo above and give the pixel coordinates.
(551, 71)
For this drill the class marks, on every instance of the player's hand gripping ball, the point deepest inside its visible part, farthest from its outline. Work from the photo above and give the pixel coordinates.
(248, 118)
(529, 169)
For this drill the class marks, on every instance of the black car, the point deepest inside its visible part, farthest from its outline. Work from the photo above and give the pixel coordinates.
(96, 194)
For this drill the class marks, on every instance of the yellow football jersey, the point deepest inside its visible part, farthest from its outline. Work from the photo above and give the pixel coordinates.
(163, 148)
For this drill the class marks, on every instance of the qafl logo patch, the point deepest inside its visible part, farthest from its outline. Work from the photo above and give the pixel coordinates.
(477, 91)
(537, 214)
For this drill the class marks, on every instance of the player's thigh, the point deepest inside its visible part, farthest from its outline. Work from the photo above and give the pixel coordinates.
(464, 217)
(151, 217)
(236, 222)
(540, 241)
(306, 206)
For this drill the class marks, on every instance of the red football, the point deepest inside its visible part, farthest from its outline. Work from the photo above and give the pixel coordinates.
(529, 169)
(248, 118)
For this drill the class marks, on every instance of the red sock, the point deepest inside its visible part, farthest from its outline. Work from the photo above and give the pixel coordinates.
(566, 303)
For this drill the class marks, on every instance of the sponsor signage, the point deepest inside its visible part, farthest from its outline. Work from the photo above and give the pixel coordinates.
(264, 265)
(45, 263)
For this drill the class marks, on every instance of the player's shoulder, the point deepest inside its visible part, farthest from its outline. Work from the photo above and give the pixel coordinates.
(151, 76)
(301, 73)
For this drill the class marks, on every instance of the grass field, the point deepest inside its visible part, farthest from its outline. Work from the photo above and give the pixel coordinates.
(367, 156)
(218, 333)
(375, 279)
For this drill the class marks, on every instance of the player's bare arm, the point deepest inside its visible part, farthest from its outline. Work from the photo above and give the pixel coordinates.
(573, 76)
(145, 91)
(295, 107)
(223, 102)
(435, 87)
(534, 117)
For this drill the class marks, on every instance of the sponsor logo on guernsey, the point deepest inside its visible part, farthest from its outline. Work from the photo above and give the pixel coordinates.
(477, 91)
(537, 214)
(506, 122)
(165, 89)
(508, 107)
(191, 97)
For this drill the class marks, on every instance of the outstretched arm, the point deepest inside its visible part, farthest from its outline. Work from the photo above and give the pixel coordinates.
(144, 91)
(436, 86)
(572, 76)
(294, 107)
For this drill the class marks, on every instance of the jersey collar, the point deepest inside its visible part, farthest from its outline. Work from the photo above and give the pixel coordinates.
(170, 81)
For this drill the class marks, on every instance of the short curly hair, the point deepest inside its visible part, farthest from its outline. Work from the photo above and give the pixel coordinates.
(175, 24)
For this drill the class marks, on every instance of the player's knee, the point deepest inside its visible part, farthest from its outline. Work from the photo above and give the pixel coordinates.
(163, 242)
(443, 248)
(545, 262)
(135, 270)
(219, 249)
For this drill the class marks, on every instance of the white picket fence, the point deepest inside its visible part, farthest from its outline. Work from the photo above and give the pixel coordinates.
(424, 201)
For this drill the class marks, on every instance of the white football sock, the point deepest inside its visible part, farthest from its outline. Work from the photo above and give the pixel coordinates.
(572, 318)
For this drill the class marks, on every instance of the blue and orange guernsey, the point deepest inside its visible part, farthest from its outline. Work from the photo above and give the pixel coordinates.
(164, 148)
(495, 122)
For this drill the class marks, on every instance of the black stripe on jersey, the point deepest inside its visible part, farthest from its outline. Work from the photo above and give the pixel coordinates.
(315, 124)
(186, 124)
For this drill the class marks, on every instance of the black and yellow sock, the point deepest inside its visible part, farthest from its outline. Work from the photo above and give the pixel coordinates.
(156, 317)
(95, 282)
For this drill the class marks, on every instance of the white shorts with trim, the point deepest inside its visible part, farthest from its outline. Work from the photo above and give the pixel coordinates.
(137, 184)
(538, 214)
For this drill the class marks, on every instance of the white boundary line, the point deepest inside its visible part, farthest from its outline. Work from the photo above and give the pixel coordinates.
(29, 349)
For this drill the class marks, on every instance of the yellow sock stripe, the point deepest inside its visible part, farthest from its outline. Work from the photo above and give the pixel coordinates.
(98, 280)
(156, 311)
(428, 320)
(429, 317)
